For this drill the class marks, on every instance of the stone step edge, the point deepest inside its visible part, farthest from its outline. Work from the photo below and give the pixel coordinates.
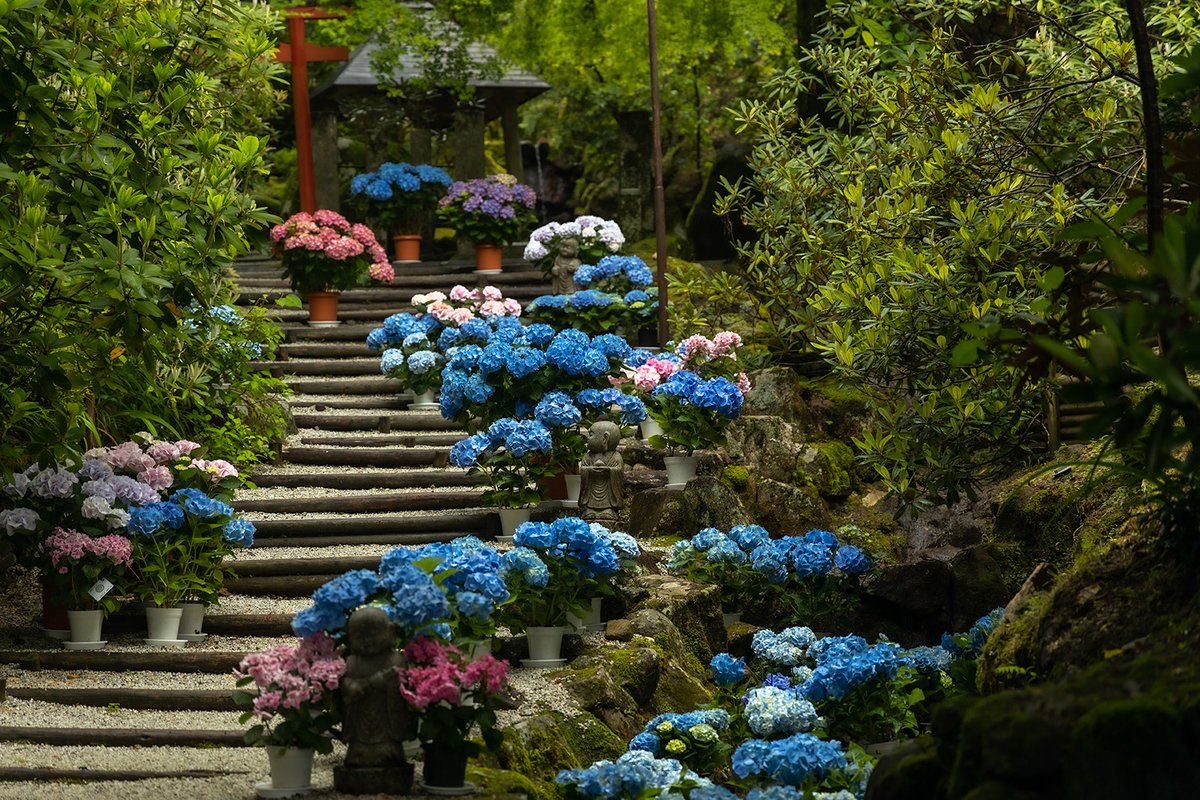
(123, 737)
(134, 698)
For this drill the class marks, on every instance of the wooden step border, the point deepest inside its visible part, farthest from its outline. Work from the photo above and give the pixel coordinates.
(139, 699)
(123, 737)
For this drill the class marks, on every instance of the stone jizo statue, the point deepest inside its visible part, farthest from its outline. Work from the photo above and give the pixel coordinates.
(374, 712)
(602, 476)
(565, 266)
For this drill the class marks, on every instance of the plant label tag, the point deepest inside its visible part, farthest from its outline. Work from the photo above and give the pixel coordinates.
(101, 588)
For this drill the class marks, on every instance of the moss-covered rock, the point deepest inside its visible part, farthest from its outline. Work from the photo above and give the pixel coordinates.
(788, 510)
(1042, 521)
(830, 467)
(693, 611)
(537, 749)
(778, 392)
(505, 784)
(736, 478)
(911, 772)
(591, 740)
(837, 411)
(767, 446)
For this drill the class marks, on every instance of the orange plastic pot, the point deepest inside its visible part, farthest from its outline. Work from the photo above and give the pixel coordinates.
(488, 257)
(407, 247)
(322, 306)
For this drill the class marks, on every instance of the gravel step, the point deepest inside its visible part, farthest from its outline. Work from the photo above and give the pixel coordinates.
(381, 403)
(415, 479)
(395, 540)
(367, 456)
(379, 385)
(413, 440)
(159, 699)
(282, 585)
(344, 350)
(304, 566)
(112, 661)
(88, 775)
(347, 366)
(215, 622)
(368, 422)
(123, 737)
(298, 531)
(363, 504)
(342, 333)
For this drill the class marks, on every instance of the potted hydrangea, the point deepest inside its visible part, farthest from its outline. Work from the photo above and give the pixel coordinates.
(451, 695)
(403, 197)
(292, 704)
(555, 570)
(82, 572)
(488, 212)
(323, 255)
(596, 237)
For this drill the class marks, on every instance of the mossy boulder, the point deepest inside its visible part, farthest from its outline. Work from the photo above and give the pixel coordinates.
(693, 611)
(788, 510)
(736, 477)
(837, 411)
(706, 502)
(777, 392)
(592, 740)
(911, 772)
(504, 784)
(767, 446)
(537, 748)
(1042, 521)
(830, 468)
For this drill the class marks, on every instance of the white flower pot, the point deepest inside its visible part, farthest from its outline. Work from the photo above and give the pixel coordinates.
(650, 428)
(545, 643)
(291, 767)
(513, 518)
(590, 621)
(85, 625)
(162, 624)
(572, 488)
(680, 470)
(192, 619)
(425, 401)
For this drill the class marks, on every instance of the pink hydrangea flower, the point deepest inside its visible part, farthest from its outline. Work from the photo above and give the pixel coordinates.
(163, 451)
(743, 383)
(157, 478)
(492, 308)
(492, 293)
(441, 311)
(646, 377)
(382, 271)
(459, 293)
(461, 316)
(186, 447)
(512, 307)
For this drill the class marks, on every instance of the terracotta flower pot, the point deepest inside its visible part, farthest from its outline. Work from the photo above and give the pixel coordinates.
(488, 257)
(407, 247)
(322, 308)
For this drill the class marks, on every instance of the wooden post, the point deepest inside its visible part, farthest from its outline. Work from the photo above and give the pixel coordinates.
(512, 141)
(660, 212)
(298, 53)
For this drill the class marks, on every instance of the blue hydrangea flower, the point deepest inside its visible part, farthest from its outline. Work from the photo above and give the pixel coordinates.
(851, 560)
(822, 538)
(525, 564)
(810, 559)
(239, 530)
(770, 711)
(726, 669)
(773, 648)
(791, 761)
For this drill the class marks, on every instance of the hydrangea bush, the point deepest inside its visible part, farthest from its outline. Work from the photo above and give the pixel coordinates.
(94, 494)
(180, 546)
(693, 738)
(491, 210)
(450, 591)
(293, 699)
(401, 195)
(528, 392)
(557, 568)
(451, 695)
(323, 252)
(635, 774)
(595, 312)
(596, 237)
(615, 275)
(74, 562)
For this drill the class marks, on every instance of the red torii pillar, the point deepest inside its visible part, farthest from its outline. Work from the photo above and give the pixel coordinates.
(298, 53)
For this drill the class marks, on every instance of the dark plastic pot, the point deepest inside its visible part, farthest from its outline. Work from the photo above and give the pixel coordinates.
(445, 766)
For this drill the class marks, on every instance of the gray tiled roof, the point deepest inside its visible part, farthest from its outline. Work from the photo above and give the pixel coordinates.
(358, 71)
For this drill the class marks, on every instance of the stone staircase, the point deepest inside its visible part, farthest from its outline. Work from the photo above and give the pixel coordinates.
(363, 473)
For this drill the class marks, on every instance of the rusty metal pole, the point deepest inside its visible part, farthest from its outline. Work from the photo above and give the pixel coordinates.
(660, 205)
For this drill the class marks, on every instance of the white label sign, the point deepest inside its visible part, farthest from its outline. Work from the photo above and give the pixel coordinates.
(101, 588)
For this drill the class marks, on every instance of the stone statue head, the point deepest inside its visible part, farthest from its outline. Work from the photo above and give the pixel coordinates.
(603, 436)
(370, 632)
(569, 247)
